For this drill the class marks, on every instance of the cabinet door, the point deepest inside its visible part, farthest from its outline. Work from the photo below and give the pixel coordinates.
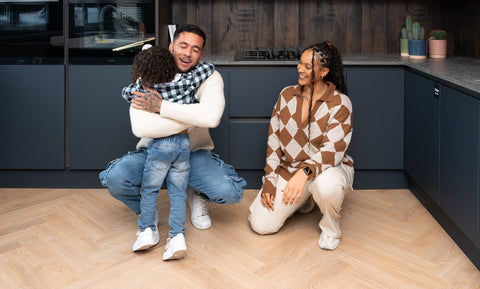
(253, 92)
(32, 116)
(459, 160)
(99, 124)
(422, 133)
(377, 99)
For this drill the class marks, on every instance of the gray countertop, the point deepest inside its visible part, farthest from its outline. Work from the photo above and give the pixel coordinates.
(460, 72)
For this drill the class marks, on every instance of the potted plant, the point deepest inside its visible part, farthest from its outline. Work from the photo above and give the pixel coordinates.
(417, 45)
(404, 39)
(437, 44)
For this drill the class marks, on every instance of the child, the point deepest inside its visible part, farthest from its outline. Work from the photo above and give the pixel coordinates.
(167, 157)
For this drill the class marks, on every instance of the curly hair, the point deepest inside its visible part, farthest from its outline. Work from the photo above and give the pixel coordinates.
(153, 66)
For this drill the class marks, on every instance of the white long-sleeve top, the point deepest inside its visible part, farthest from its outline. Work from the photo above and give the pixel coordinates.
(176, 117)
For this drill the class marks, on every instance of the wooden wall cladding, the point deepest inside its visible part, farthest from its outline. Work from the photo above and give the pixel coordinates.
(368, 26)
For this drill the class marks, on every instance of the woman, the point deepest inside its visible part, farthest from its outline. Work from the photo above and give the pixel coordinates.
(309, 134)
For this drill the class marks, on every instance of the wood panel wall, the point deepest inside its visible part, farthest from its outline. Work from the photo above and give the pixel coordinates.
(367, 26)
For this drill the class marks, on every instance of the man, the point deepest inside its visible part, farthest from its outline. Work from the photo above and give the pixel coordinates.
(210, 178)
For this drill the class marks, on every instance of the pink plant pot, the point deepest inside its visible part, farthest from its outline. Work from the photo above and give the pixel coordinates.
(437, 48)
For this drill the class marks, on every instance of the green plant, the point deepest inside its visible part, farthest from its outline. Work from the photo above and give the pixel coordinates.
(418, 32)
(438, 34)
(408, 23)
(408, 28)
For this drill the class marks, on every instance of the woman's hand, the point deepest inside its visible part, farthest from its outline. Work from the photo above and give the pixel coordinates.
(267, 200)
(294, 188)
(150, 101)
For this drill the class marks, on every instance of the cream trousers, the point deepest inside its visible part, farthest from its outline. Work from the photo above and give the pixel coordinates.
(328, 191)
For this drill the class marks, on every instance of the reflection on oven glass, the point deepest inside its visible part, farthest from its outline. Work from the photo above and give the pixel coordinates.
(33, 18)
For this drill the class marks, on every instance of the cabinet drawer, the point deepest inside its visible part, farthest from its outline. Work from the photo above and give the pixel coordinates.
(253, 92)
(248, 144)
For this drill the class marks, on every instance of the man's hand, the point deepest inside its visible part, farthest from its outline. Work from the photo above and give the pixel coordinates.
(150, 101)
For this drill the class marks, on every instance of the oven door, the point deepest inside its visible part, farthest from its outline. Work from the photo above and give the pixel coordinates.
(26, 28)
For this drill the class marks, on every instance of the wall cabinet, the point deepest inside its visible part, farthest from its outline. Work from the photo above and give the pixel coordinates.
(32, 116)
(442, 149)
(99, 122)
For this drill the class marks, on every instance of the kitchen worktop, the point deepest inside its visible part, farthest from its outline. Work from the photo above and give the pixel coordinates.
(460, 72)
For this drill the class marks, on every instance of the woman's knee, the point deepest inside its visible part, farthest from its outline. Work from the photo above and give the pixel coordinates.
(263, 226)
(328, 187)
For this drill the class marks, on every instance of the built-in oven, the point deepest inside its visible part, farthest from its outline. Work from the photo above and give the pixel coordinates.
(107, 30)
(26, 28)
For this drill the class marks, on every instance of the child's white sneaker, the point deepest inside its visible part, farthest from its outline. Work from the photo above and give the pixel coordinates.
(175, 248)
(146, 239)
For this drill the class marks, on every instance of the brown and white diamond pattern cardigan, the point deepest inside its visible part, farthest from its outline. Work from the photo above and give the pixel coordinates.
(294, 144)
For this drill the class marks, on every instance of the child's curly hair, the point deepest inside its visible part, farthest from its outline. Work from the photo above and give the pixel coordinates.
(154, 65)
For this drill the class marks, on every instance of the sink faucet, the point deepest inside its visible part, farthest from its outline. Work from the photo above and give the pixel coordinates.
(102, 16)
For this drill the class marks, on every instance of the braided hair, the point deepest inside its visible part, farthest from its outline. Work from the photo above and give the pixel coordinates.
(154, 65)
(329, 57)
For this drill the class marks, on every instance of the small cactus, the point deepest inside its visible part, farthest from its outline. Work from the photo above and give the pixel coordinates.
(404, 33)
(418, 32)
(438, 34)
(408, 23)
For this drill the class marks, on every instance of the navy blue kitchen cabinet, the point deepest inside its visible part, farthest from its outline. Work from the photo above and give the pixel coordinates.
(377, 99)
(32, 116)
(460, 160)
(442, 150)
(251, 95)
(99, 122)
(377, 144)
(422, 108)
(254, 91)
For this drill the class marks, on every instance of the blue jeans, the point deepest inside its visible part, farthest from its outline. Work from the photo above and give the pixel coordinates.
(215, 180)
(166, 158)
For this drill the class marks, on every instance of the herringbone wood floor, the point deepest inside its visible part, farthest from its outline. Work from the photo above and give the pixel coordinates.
(82, 238)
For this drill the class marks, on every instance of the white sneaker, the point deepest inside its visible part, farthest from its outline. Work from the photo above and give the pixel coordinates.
(328, 243)
(175, 248)
(146, 239)
(199, 211)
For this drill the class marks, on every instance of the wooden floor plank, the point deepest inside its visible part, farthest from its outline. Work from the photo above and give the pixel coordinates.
(82, 238)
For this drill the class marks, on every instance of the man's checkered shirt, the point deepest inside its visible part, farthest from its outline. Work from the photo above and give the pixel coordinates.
(181, 90)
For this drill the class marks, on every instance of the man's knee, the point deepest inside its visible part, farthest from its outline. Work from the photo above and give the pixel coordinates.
(231, 191)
